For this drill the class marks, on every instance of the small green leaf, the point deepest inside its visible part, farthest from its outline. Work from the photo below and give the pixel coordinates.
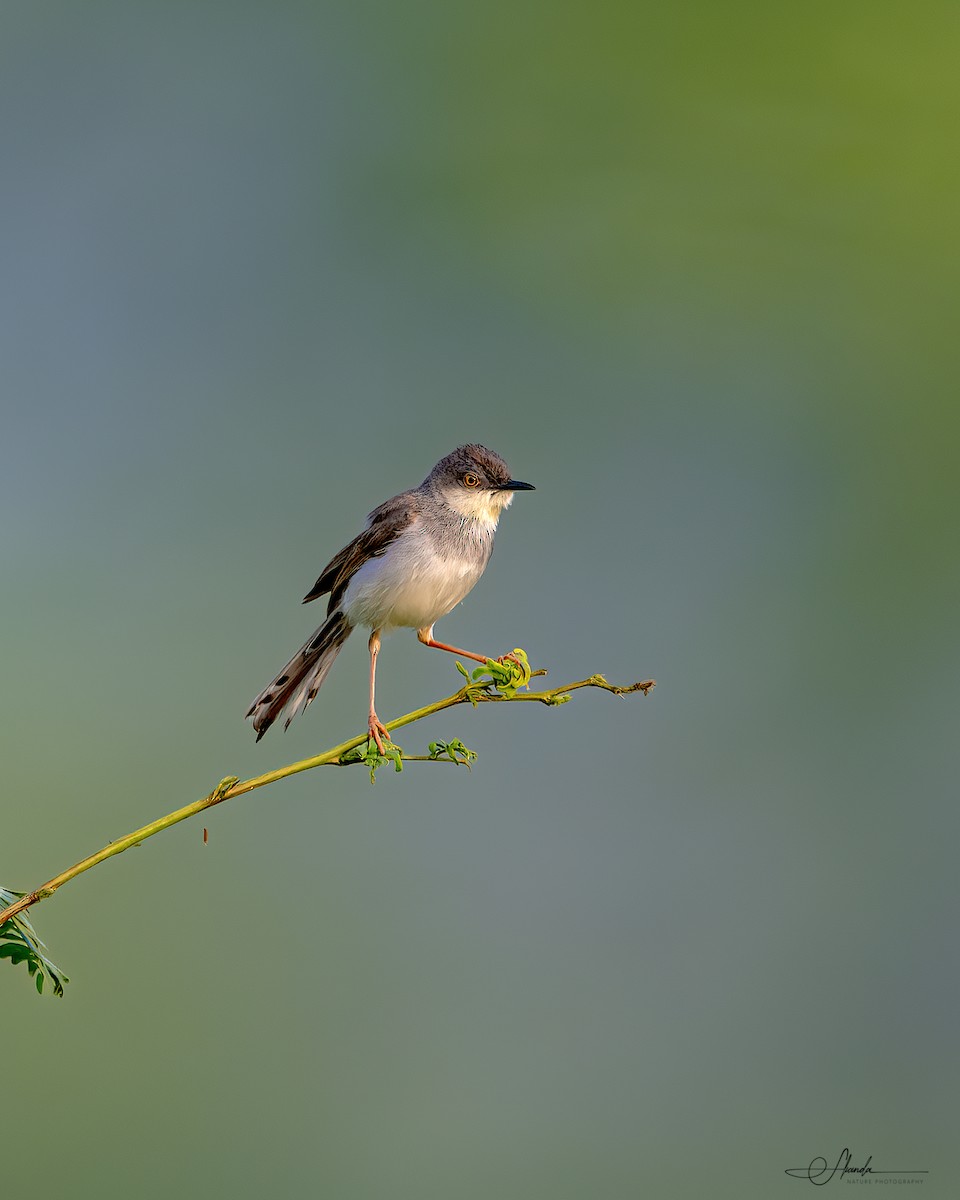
(20, 944)
(455, 750)
(224, 786)
(368, 754)
(505, 676)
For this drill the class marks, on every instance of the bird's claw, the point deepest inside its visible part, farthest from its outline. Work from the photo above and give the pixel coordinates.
(377, 731)
(509, 672)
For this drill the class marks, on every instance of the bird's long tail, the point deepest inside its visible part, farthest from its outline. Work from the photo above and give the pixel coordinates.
(300, 680)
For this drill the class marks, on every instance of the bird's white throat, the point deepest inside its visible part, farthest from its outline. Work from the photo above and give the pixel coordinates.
(482, 506)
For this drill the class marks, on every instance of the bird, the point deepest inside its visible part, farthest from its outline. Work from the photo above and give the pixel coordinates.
(420, 554)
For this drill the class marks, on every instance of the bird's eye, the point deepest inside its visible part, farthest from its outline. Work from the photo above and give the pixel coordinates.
(470, 479)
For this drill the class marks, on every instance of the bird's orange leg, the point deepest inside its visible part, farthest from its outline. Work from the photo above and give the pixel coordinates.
(426, 636)
(375, 727)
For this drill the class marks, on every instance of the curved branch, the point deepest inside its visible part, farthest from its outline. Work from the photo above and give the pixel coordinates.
(232, 786)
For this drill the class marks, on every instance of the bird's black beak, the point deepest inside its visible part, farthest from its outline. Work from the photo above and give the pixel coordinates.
(514, 485)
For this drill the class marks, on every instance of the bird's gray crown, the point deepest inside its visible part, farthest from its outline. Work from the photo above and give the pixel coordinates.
(471, 459)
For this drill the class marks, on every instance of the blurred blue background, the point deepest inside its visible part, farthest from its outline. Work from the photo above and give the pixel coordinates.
(692, 270)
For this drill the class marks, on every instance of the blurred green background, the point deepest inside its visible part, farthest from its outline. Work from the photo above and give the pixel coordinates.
(692, 269)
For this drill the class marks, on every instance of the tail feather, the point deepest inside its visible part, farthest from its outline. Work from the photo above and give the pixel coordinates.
(300, 679)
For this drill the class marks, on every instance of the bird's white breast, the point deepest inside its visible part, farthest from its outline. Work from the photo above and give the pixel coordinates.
(411, 585)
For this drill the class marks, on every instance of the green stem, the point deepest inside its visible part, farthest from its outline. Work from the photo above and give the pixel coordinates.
(230, 787)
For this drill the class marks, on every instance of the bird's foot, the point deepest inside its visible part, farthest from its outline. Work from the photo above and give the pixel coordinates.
(377, 731)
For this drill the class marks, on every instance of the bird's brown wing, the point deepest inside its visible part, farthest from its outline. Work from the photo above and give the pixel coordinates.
(386, 523)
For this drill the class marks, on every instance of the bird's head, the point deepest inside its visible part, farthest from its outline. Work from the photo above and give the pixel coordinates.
(475, 482)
